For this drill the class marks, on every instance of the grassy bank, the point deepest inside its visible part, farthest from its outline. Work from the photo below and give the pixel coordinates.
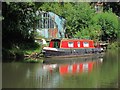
(19, 52)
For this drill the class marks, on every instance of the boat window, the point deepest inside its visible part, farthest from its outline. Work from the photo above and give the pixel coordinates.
(70, 44)
(85, 44)
(78, 43)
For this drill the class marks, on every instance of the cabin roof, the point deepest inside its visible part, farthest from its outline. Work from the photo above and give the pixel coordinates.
(65, 39)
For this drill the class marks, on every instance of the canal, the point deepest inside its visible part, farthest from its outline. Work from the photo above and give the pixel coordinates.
(76, 72)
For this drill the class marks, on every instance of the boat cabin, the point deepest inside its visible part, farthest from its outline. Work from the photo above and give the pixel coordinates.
(71, 43)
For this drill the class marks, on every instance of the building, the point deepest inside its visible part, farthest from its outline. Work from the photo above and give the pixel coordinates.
(99, 7)
(50, 25)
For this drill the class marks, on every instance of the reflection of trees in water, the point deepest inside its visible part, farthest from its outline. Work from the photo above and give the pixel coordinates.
(28, 75)
(37, 77)
(13, 74)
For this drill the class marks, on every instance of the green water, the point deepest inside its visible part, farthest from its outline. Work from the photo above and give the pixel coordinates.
(69, 73)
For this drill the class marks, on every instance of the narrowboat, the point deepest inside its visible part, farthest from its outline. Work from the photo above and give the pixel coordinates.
(70, 47)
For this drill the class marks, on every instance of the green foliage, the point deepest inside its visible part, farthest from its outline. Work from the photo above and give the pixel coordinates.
(91, 32)
(30, 48)
(51, 6)
(113, 46)
(18, 23)
(109, 24)
(78, 18)
(7, 54)
(19, 54)
(119, 29)
(18, 29)
(12, 54)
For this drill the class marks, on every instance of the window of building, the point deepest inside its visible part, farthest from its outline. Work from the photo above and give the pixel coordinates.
(70, 44)
(45, 21)
(85, 44)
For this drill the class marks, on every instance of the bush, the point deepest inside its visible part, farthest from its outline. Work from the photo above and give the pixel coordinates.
(12, 54)
(113, 45)
(7, 55)
(109, 24)
(19, 55)
(29, 46)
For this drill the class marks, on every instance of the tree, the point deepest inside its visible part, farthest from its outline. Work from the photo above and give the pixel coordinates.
(115, 6)
(92, 32)
(109, 25)
(18, 23)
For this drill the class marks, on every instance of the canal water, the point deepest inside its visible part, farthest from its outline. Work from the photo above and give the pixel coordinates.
(90, 72)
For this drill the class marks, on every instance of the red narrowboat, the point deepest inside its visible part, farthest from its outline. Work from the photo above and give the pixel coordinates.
(70, 47)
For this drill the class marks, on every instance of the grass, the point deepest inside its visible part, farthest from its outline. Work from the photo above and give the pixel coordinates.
(30, 51)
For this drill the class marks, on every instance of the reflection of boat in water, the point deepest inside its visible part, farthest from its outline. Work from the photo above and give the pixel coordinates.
(56, 71)
(78, 67)
(71, 48)
(73, 68)
(49, 67)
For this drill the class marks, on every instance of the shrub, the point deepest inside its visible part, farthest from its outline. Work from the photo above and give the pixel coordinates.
(113, 45)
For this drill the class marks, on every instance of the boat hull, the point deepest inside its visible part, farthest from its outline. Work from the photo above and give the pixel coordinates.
(71, 52)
